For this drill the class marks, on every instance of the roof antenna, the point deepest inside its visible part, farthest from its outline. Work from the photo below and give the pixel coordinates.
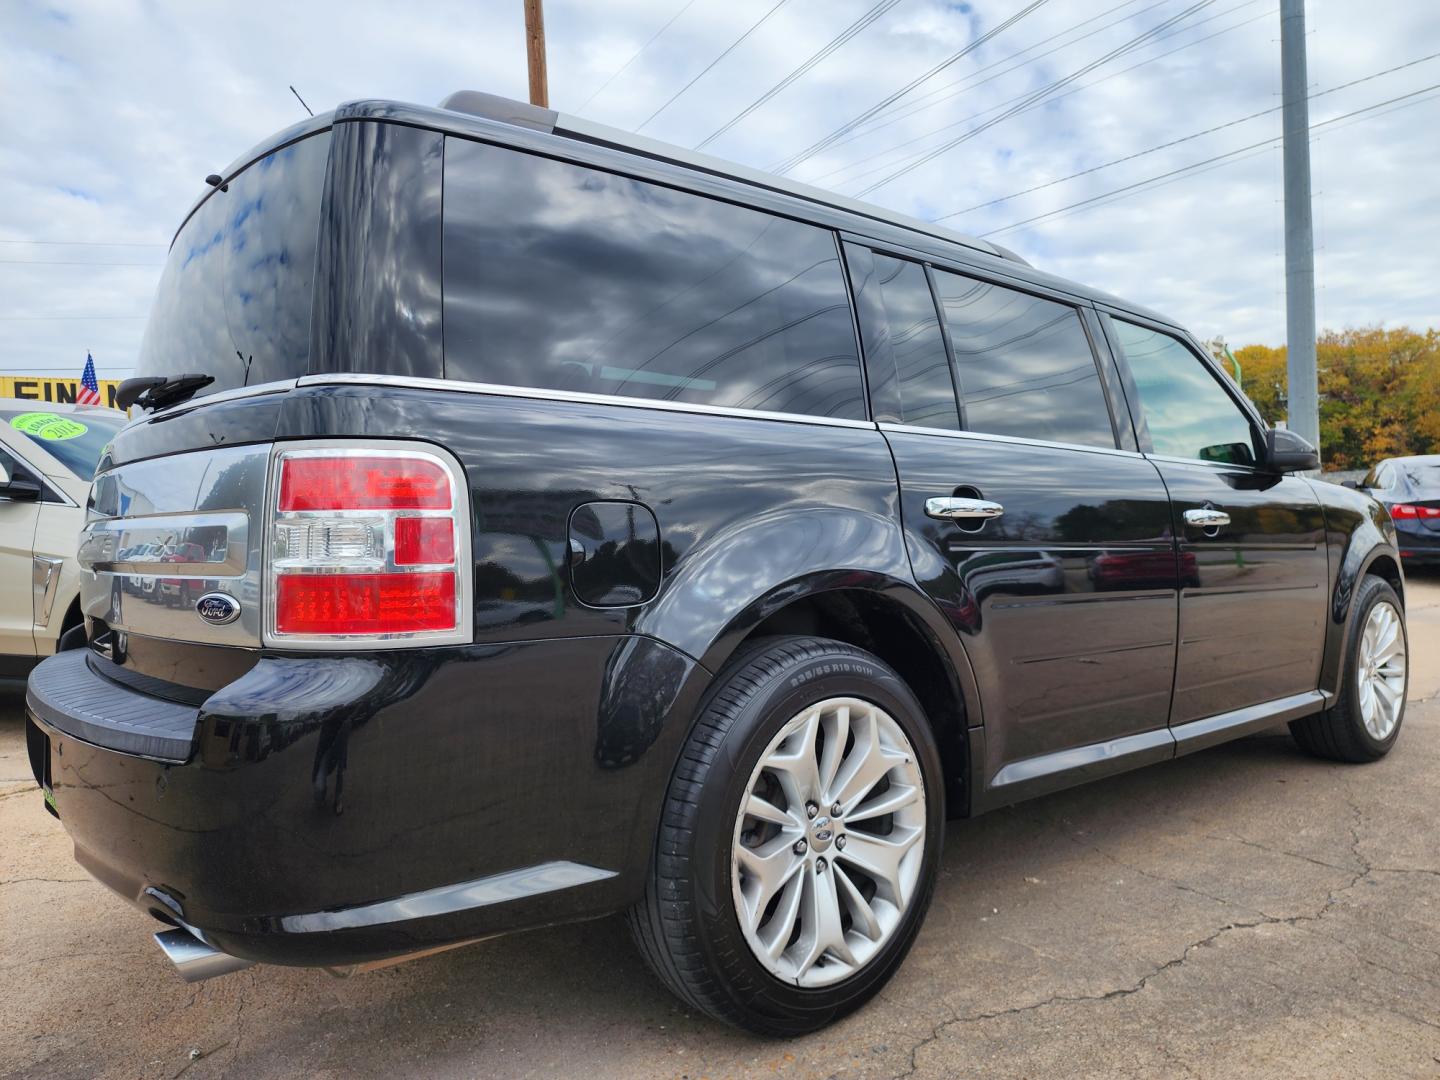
(301, 100)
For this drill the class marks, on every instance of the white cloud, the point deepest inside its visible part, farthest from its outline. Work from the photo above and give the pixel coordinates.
(117, 110)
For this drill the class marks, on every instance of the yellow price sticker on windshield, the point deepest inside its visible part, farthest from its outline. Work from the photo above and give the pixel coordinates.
(44, 425)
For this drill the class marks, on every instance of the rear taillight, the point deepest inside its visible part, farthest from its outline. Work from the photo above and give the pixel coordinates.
(1409, 512)
(366, 546)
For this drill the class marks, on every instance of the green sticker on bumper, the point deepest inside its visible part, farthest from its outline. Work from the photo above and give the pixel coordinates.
(44, 425)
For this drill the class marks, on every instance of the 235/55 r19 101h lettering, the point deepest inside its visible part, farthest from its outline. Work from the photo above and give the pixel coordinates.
(799, 841)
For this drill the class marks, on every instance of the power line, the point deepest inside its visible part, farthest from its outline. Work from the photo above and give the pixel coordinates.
(1193, 166)
(705, 70)
(835, 43)
(1037, 96)
(1177, 142)
(973, 80)
(844, 129)
(1018, 97)
(635, 56)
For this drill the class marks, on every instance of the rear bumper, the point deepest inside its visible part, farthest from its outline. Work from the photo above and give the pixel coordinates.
(1419, 544)
(340, 809)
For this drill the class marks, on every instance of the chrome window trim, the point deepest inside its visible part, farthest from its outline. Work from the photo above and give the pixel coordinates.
(538, 394)
(985, 436)
(1253, 470)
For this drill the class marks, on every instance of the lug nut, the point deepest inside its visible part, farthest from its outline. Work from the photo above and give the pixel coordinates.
(811, 809)
(837, 810)
(799, 847)
(840, 842)
(820, 865)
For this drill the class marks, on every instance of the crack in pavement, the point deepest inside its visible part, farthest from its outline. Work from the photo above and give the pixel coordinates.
(52, 880)
(1171, 964)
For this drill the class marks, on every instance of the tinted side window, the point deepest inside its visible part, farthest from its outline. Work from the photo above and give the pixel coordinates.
(1187, 411)
(569, 278)
(1025, 364)
(909, 372)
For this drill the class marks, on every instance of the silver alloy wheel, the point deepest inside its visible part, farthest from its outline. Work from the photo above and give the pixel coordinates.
(828, 846)
(1380, 670)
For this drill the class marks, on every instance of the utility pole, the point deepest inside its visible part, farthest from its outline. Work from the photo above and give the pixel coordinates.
(1304, 403)
(535, 53)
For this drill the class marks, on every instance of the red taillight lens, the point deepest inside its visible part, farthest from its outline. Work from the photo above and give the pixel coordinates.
(364, 603)
(1407, 512)
(367, 544)
(354, 482)
(420, 540)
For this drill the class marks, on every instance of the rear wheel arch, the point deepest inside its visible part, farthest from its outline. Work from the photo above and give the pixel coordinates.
(889, 620)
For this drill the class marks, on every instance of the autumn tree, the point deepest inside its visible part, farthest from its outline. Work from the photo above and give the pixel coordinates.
(1379, 392)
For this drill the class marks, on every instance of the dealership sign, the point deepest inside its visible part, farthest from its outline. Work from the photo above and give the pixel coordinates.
(44, 388)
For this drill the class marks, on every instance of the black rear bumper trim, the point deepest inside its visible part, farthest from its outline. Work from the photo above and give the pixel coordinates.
(66, 694)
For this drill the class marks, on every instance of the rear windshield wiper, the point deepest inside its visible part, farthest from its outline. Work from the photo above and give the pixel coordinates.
(156, 391)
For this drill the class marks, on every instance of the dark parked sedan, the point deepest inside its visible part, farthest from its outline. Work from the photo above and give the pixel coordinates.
(1410, 489)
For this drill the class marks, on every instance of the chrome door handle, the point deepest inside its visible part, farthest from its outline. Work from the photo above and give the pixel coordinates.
(952, 508)
(1207, 518)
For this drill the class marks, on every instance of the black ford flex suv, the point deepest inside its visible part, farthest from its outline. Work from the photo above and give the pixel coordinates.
(567, 525)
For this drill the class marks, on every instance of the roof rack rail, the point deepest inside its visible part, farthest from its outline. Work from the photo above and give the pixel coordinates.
(521, 114)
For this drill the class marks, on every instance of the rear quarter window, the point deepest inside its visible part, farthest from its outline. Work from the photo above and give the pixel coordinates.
(563, 277)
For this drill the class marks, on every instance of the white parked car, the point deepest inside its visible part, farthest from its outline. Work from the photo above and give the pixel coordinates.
(47, 459)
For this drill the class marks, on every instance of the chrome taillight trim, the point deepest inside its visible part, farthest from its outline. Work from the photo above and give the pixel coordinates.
(458, 514)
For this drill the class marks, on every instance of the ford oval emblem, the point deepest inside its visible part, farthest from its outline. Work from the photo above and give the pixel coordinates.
(218, 608)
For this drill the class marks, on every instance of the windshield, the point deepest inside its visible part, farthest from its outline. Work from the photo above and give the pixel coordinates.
(75, 439)
(234, 300)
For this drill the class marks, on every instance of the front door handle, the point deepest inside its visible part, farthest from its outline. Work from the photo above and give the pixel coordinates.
(1207, 518)
(954, 508)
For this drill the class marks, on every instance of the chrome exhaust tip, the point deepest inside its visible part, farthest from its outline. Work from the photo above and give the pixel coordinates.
(195, 960)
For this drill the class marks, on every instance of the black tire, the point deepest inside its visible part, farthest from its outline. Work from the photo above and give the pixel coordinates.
(686, 927)
(1339, 734)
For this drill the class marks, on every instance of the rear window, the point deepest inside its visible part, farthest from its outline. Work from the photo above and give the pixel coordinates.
(568, 278)
(235, 297)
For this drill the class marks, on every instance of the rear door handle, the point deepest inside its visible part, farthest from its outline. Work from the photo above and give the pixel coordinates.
(1207, 518)
(954, 508)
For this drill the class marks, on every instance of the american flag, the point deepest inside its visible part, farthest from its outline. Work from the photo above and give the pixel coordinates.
(89, 393)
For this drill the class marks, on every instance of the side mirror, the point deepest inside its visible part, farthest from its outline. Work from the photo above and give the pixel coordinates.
(1353, 485)
(18, 490)
(1287, 452)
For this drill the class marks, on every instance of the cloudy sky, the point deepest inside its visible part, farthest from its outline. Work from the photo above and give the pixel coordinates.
(115, 111)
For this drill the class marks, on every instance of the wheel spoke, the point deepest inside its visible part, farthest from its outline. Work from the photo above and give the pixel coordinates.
(860, 910)
(867, 763)
(795, 766)
(822, 930)
(837, 733)
(776, 935)
(768, 868)
(896, 798)
(880, 857)
(765, 810)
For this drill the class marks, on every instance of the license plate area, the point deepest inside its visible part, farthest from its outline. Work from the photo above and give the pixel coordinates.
(37, 744)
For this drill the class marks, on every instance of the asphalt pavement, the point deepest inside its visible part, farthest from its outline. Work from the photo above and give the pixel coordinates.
(1247, 911)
